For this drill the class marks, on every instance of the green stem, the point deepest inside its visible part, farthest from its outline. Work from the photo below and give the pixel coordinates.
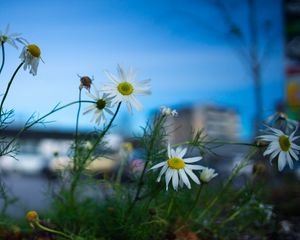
(196, 201)
(228, 182)
(171, 204)
(78, 169)
(8, 86)
(237, 196)
(3, 57)
(77, 123)
(212, 142)
(27, 126)
(52, 230)
(103, 133)
(148, 158)
(230, 218)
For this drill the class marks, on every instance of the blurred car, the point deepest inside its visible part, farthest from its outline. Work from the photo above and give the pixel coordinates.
(25, 163)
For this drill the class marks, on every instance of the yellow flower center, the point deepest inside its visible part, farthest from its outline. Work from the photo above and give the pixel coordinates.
(284, 143)
(176, 163)
(100, 104)
(125, 88)
(34, 50)
(32, 216)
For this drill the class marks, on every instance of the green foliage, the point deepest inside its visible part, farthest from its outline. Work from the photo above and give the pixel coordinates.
(139, 208)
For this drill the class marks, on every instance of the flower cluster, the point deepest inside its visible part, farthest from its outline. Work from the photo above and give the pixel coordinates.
(122, 88)
(168, 111)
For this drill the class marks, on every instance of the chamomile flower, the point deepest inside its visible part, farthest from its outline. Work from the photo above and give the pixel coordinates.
(178, 168)
(168, 111)
(125, 88)
(282, 145)
(101, 105)
(282, 121)
(31, 56)
(11, 38)
(207, 174)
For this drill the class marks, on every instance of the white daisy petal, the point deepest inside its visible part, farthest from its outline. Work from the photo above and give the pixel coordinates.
(184, 178)
(175, 180)
(193, 159)
(173, 153)
(182, 153)
(136, 103)
(289, 160)
(158, 165)
(281, 161)
(192, 175)
(169, 151)
(194, 167)
(168, 177)
(162, 171)
(293, 154)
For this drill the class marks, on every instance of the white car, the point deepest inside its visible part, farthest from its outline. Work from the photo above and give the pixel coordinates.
(23, 163)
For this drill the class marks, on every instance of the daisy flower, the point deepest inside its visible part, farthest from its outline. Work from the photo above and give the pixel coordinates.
(11, 38)
(31, 56)
(125, 88)
(282, 120)
(101, 105)
(168, 111)
(207, 174)
(178, 168)
(283, 145)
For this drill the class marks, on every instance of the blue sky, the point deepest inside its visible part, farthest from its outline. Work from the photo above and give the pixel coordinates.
(178, 44)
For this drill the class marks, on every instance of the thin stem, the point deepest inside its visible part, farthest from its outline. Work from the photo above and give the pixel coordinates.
(80, 167)
(8, 86)
(77, 122)
(171, 204)
(52, 230)
(26, 127)
(104, 132)
(3, 57)
(196, 201)
(228, 182)
(148, 158)
(237, 195)
(213, 143)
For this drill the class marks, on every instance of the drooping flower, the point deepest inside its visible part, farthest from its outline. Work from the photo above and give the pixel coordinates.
(85, 82)
(282, 145)
(168, 111)
(125, 88)
(207, 174)
(101, 105)
(178, 168)
(11, 38)
(282, 121)
(31, 56)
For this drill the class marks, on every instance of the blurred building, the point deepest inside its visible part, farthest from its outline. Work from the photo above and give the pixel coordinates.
(215, 121)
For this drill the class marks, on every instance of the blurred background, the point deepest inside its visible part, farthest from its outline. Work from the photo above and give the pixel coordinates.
(224, 65)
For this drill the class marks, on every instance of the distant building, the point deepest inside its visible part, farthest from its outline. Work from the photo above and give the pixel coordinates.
(216, 122)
